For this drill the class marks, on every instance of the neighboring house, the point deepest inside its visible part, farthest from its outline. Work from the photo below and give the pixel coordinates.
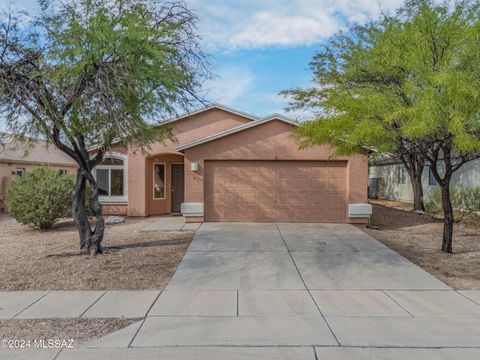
(16, 159)
(388, 179)
(230, 166)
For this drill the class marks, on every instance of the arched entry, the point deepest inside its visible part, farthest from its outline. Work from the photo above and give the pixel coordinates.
(165, 184)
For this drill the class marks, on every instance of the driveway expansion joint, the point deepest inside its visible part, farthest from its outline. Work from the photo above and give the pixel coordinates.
(306, 287)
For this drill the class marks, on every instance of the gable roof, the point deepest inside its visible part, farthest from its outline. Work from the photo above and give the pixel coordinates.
(214, 106)
(37, 153)
(236, 129)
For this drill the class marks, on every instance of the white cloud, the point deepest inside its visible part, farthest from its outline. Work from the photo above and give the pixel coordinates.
(240, 24)
(229, 85)
(23, 5)
(269, 29)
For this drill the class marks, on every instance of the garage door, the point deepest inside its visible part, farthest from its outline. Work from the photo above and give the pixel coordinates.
(303, 191)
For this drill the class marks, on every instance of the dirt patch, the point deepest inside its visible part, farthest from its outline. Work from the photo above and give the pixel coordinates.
(418, 237)
(79, 330)
(49, 260)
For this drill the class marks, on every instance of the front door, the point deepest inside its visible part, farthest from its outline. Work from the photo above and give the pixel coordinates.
(178, 187)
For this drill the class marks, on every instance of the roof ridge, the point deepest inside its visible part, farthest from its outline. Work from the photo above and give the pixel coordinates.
(212, 106)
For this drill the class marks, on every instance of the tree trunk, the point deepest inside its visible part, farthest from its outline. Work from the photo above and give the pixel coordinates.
(418, 204)
(97, 234)
(447, 219)
(414, 166)
(90, 241)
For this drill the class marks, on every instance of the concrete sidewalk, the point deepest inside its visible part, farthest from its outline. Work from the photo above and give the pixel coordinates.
(285, 291)
(75, 304)
(171, 223)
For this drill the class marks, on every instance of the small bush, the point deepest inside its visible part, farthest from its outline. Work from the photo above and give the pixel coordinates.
(464, 200)
(433, 202)
(41, 197)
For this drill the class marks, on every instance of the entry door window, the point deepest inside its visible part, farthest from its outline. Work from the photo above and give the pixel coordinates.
(159, 181)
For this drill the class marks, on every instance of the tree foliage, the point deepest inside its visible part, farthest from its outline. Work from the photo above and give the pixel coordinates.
(465, 201)
(41, 197)
(92, 73)
(406, 84)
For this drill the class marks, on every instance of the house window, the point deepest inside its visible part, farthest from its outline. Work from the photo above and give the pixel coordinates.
(20, 172)
(62, 171)
(401, 176)
(158, 181)
(431, 179)
(111, 176)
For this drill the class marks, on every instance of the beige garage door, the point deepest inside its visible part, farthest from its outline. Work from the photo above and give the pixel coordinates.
(303, 191)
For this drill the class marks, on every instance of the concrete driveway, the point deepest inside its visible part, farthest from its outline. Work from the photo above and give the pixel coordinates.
(293, 256)
(297, 291)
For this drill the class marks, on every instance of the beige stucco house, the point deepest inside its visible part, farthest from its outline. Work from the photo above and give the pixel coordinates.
(226, 165)
(16, 159)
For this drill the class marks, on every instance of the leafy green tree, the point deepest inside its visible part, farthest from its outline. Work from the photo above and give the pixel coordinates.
(406, 84)
(358, 98)
(87, 74)
(41, 197)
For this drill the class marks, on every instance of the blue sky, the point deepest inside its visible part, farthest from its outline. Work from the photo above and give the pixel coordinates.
(260, 47)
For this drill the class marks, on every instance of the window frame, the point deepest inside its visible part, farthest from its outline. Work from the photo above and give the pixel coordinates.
(20, 172)
(115, 198)
(164, 181)
(401, 175)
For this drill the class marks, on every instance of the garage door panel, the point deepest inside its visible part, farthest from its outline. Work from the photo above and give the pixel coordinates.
(248, 198)
(302, 184)
(301, 216)
(334, 182)
(319, 182)
(231, 198)
(265, 198)
(333, 215)
(267, 214)
(300, 200)
(320, 213)
(305, 191)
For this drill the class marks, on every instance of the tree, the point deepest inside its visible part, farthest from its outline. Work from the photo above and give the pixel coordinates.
(88, 74)
(445, 83)
(407, 84)
(358, 97)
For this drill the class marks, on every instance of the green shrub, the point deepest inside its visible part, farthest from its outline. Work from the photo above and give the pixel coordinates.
(41, 197)
(433, 202)
(464, 200)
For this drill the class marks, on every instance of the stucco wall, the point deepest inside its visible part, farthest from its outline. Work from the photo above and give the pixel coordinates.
(197, 126)
(468, 175)
(136, 184)
(140, 167)
(115, 209)
(270, 141)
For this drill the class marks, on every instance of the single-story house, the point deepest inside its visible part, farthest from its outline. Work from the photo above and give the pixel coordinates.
(226, 165)
(16, 159)
(388, 179)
